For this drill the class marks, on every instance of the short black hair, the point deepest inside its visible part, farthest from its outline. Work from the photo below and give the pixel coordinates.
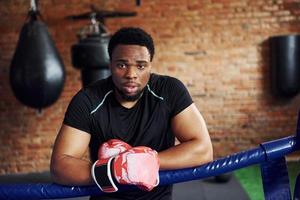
(131, 36)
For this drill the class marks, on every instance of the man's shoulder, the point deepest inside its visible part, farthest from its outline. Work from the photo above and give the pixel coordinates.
(99, 87)
(96, 91)
(163, 80)
(160, 76)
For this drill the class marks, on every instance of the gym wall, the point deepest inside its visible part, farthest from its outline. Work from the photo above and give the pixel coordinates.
(218, 48)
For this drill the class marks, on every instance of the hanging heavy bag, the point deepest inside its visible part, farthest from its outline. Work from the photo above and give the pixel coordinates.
(285, 65)
(37, 72)
(90, 55)
(91, 52)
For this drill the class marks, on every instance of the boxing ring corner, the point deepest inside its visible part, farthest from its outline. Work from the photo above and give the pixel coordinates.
(269, 155)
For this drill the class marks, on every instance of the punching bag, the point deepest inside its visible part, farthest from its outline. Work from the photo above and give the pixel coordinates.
(90, 55)
(285, 65)
(37, 72)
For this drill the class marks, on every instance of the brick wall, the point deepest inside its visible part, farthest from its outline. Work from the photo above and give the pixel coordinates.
(218, 48)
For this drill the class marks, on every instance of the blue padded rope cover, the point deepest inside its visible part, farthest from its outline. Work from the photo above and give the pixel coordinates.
(275, 179)
(275, 149)
(297, 185)
(274, 172)
(278, 148)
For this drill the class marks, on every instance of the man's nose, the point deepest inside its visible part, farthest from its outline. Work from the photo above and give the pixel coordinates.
(131, 72)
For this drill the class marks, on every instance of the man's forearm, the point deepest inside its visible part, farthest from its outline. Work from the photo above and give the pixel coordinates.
(187, 154)
(68, 170)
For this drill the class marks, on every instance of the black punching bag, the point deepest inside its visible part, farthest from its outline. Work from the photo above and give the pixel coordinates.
(37, 72)
(90, 55)
(285, 65)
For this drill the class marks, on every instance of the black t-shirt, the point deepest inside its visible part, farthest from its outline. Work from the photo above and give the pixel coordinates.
(95, 110)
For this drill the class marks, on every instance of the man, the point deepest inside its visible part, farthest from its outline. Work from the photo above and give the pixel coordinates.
(137, 107)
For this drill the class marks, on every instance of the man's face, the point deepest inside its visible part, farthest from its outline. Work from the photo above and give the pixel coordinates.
(130, 67)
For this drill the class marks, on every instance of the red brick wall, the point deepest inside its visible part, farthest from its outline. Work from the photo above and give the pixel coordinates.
(218, 48)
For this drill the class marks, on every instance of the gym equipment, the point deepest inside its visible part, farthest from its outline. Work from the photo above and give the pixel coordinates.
(285, 65)
(37, 71)
(90, 54)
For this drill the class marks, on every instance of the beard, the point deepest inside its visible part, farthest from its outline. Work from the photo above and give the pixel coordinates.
(129, 97)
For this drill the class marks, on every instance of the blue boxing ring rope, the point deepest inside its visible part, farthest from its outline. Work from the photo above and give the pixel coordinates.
(270, 156)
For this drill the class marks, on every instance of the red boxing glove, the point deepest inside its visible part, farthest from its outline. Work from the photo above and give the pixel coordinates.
(137, 166)
(106, 151)
(111, 148)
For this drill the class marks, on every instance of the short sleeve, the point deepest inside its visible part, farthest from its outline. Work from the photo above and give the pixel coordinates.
(178, 96)
(78, 112)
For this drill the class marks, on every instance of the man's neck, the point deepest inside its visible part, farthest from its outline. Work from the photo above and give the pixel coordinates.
(126, 103)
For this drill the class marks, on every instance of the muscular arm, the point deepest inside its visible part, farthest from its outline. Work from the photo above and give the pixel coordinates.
(68, 167)
(195, 146)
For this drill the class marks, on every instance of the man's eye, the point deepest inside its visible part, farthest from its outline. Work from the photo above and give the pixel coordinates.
(141, 67)
(121, 65)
